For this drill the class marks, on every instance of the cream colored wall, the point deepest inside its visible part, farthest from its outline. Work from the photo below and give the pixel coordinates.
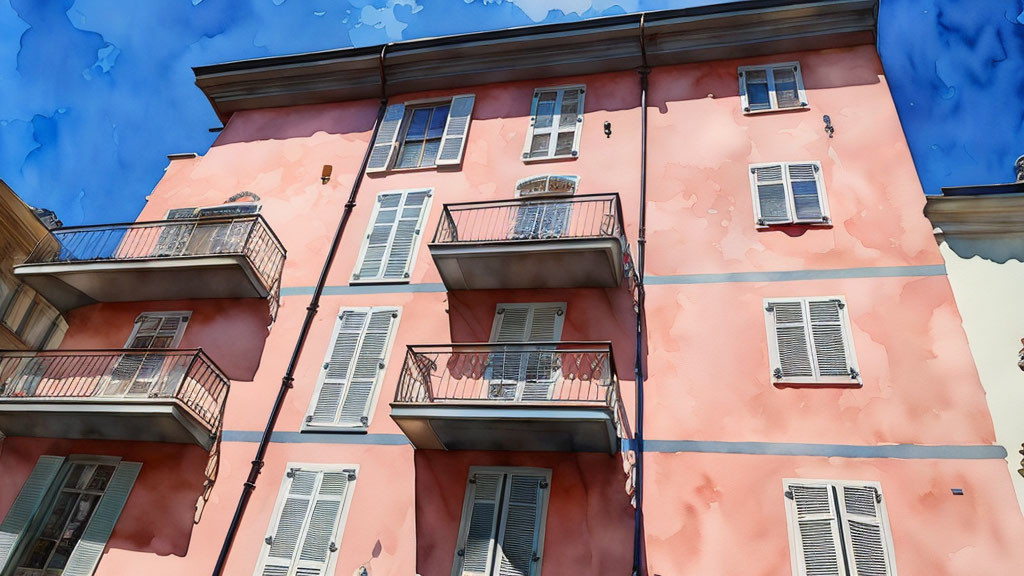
(989, 296)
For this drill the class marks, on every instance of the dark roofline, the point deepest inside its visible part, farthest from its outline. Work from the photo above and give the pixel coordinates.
(984, 189)
(730, 30)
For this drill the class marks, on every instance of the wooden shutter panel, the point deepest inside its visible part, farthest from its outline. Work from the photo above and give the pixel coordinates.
(319, 540)
(384, 145)
(794, 352)
(407, 233)
(520, 525)
(815, 525)
(770, 191)
(866, 544)
(453, 143)
(475, 555)
(803, 181)
(27, 504)
(86, 556)
(828, 337)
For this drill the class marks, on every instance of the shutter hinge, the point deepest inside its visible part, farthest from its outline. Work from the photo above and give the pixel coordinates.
(535, 557)
(777, 373)
(309, 418)
(365, 421)
(761, 222)
(839, 303)
(878, 496)
(333, 547)
(826, 219)
(326, 365)
(575, 152)
(351, 476)
(746, 108)
(789, 494)
(290, 473)
(394, 314)
(461, 552)
(854, 375)
(501, 310)
(354, 277)
(559, 312)
(543, 484)
(269, 539)
(405, 275)
(770, 307)
(381, 365)
(472, 479)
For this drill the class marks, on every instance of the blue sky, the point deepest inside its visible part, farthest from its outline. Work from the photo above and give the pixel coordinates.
(95, 93)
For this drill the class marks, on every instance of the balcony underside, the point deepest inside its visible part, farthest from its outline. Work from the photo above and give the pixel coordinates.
(507, 427)
(71, 284)
(145, 420)
(555, 263)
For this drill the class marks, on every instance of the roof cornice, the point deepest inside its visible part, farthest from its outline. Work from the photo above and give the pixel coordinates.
(1001, 213)
(733, 30)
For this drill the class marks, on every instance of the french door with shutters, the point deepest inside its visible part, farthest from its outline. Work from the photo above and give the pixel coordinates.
(525, 372)
(503, 518)
(308, 521)
(542, 220)
(217, 235)
(144, 374)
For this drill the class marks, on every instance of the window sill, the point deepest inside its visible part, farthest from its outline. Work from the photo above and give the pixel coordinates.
(775, 110)
(363, 281)
(797, 225)
(549, 159)
(310, 429)
(830, 382)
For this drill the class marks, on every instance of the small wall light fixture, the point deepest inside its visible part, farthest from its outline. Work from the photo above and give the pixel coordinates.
(607, 129)
(828, 125)
(325, 176)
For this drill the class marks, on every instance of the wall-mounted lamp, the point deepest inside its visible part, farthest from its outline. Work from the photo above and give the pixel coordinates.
(325, 176)
(829, 129)
(607, 129)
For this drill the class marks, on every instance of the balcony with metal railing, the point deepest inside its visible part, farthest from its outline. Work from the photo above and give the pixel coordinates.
(542, 242)
(210, 257)
(157, 395)
(559, 396)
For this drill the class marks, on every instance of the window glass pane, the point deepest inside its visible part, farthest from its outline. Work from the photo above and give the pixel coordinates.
(430, 149)
(61, 512)
(805, 198)
(410, 156)
(785, 87)
(570, 109)
(100, 478)
(418, 124)
(437, 122)
(38, 556)
(563, 146)
(539, 147)
(545, 110)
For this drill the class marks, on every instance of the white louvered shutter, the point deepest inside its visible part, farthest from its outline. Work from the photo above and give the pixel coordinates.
(525, 373)
(397, 226)
(353, 367)
(794, 351)
(770, 190)
(540, 367)
(828, 338)
(286, 529)
(784, 81)
(812, 517)
(320, 538)
(866, 543)
(387, 136)
(87, 552)
(453, 143)
(505, 367)
(556, 123)
(25, 506)
(138, 374)
(521, 525)
(807, 201)
(475, 555)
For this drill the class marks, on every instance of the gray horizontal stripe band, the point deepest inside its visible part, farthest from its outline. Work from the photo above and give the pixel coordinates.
(318, 438)
(901, 451)
(779, 276)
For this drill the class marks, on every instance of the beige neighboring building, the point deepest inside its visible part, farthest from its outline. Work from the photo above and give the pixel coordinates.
(980, 231)
(27, 320)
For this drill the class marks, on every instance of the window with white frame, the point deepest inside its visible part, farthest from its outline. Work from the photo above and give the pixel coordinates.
(838, 528)
(308, 521)
(809, 341)
(353, 368)
(556, 123)
(391, 242)
(503, 517)
(141, 373)
(527, 373)
(64, 514)
(772, 87)
(422, 134)
(215, 233)
(788, 193)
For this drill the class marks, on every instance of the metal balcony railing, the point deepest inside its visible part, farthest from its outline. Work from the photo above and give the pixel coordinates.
(249, 236)
(538, 219)
(188, 376)
(527, 373)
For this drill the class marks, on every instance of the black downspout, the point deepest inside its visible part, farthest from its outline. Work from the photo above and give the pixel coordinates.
(311, 310)
(638, 369)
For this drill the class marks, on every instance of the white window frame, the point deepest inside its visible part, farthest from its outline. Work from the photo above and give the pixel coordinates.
(819, 177)
(795, 551)
(556, 118)
(467, 510)
(177, 335)
(403, 129)
(415, 248)
(381, 375)
(197, 210)
(772, 98)
(282, 496)
(547, 181)
(773, 345)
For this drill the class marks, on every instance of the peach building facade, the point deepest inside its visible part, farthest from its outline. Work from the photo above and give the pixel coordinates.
(466, 399)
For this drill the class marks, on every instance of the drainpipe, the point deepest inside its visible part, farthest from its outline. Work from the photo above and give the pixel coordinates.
(638, 368)
(311, 310)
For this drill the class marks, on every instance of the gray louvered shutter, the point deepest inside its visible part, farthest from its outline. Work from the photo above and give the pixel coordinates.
(407, 233)
(348, 331)
(866, 544)
(791, 339)
(453, 143)
(283, 540)
(828, 337)
(526, 224)
(770, 188)
(475, 555)
(570, 123)
(384, 145)
(541, 367)
(87, 552)
(554, 219)
(320, 539)
(369, 364)
(504, 368)
(379, 236)
(803, 181)
(816, 529)
(787, 94)
(25, 506)
(520, 526)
